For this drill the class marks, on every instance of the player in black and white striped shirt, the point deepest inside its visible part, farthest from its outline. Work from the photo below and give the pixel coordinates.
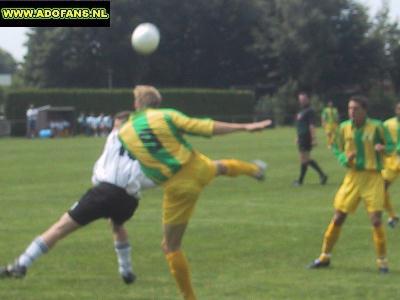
(117, 180)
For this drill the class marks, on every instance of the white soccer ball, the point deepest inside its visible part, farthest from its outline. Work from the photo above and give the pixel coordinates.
(145, 38)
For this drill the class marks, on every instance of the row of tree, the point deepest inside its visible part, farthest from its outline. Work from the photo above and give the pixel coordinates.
(323, 46)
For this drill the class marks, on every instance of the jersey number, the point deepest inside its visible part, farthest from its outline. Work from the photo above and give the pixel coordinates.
(150, 140)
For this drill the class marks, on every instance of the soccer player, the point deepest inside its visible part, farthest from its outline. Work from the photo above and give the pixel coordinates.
(360, 145)
(306, 139)
(392, 164)
(155, 137)
(330, 121)
(117, 181)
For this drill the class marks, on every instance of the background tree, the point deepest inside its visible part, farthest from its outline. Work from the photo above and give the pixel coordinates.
(8, 64)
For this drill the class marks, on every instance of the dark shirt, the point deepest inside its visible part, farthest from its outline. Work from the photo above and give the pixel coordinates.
(304, 119)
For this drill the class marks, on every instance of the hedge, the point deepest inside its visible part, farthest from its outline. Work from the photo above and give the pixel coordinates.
(217, 103)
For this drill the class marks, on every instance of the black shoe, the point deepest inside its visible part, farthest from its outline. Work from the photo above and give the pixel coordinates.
(297, 183)
(129, 278)
(323, 179)
(318, 264)
(13, 271)
(383, 267)
(392, 222)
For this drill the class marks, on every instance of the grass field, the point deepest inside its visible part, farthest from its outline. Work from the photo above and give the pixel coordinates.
(247, 240)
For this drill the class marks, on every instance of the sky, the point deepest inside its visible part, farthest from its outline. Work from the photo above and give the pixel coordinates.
(12, 39)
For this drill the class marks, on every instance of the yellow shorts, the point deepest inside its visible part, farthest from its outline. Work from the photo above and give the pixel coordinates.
(390, 175)
(330, 128)
(183, 189)
(357, 185)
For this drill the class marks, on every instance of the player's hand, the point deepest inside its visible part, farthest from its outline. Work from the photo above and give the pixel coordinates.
(258, 125)
(379, 148)
(351, 156)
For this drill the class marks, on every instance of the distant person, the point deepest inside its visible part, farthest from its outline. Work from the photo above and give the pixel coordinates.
(81, 123)
(117, 180)
(90, 124)
(392, 165)
(107, 123)
(330, 122)
(100, 125)
(155, 137)
(360, 146)
(306, 139)
(31, 120)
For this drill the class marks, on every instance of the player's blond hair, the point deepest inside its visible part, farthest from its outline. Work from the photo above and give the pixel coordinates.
(146, 96)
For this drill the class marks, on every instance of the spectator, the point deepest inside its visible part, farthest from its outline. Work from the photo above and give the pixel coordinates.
(31, 118)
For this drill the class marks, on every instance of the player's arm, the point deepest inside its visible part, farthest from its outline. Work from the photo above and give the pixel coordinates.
(338, 149)
(208, 127)
(225, 128)
(323, 118)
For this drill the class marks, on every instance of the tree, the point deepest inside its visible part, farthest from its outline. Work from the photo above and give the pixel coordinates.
(8, 64)
(203, 43)
(323, 45)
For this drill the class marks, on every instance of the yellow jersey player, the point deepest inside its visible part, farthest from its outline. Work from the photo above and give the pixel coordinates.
(330, 122)
(155, 138)
(392, 164)
(359, 146)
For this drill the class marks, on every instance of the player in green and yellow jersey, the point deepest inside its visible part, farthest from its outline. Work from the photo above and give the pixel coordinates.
(330, 122)
(155, 138)
(359, 145)
(392, 164)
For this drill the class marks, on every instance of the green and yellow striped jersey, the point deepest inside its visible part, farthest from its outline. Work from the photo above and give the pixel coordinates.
(362, 141)
(330, 115)
(155, 138)
(393, 126)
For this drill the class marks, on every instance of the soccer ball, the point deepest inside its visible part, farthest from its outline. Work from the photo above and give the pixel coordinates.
(145, 38)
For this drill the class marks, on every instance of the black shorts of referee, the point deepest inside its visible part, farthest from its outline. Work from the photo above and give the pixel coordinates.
(304, 143)
(105, 200)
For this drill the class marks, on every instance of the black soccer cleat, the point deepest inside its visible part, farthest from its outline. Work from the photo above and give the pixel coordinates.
(318, 264)
(297, 183)
(14, 270)
(128, 278)
(383, 266)
(393, 221)
(323, 179)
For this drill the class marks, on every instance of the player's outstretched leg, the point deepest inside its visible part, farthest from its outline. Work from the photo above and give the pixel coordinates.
(38, 247)
(234, 168)
(123, 251)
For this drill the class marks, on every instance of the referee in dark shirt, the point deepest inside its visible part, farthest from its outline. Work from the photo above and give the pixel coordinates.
(306, 139)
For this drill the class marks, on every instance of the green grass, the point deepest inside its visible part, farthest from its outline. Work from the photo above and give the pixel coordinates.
(247, 240)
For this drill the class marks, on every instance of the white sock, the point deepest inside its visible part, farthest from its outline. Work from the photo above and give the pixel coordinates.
(123, 251)
(36, 249)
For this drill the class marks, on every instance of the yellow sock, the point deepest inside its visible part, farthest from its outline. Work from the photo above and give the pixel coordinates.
(379, 241)
(388, 205)
(330, 238)
(179, 268)
(236, 167)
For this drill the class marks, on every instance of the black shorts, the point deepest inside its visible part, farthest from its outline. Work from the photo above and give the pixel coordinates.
(104, 201)
(304, 143)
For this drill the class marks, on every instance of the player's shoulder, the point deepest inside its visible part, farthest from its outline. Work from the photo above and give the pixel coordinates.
(390, 121)
(169, 111)
(375, 122)
(346, 124)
